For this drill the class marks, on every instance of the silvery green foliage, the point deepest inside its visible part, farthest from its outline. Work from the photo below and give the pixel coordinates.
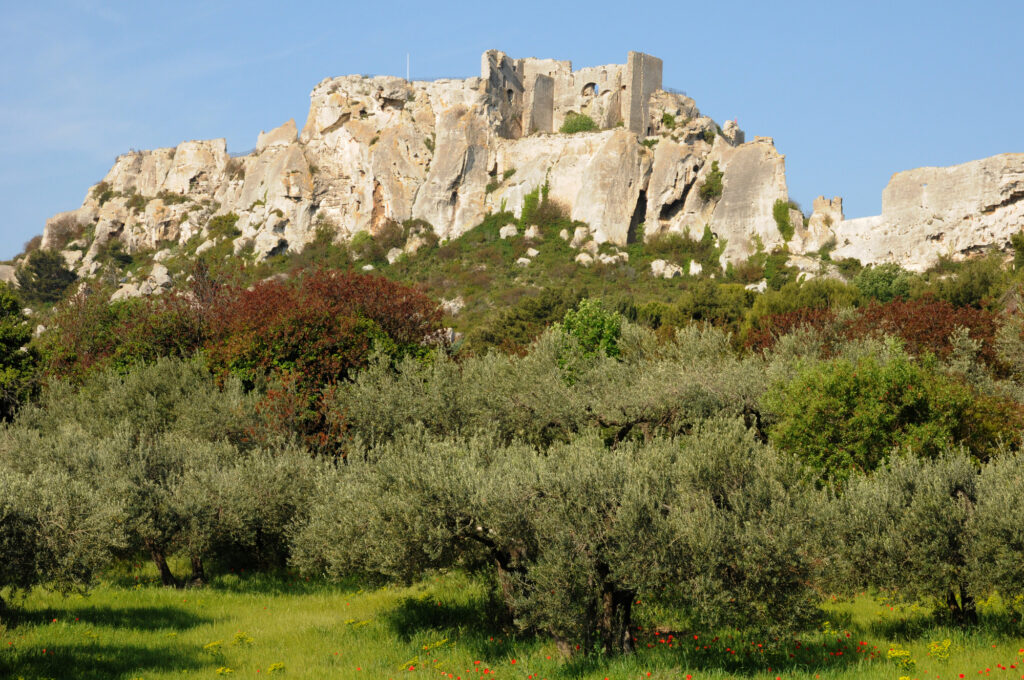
(576, 532)
(997, 551)
(745, 531)
(908, 528)
(653, 388)
(169, 446)
(54, 530)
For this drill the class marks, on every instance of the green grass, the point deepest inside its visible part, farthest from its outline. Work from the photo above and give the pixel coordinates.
(445, 624)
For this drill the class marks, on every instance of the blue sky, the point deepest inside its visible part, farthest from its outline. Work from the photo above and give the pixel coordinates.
(852, 92)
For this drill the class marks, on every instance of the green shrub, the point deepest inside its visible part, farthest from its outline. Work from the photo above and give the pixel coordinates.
(136, 201)
(364, 247)
(103, 193)
(848, 415)
(17, 362)
(883, 282)
(577, 122)
(43, 277)
(780, 211)
(711, 189)
(668, 120)
(1017, 244)
(223, 226)
(596, 329)
(113, 252)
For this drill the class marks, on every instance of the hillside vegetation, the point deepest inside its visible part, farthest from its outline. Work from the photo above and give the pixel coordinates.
(595, 464)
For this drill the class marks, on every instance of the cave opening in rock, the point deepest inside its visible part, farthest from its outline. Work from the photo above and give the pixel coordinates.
(672, 208)
(638, 217)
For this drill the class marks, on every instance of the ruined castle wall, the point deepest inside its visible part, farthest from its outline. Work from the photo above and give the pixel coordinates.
(506, 91)
(643, 78)
(540, 106)
(536, 95)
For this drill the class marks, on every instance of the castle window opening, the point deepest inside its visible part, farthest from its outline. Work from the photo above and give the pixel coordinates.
(590, 89)
(509, 94)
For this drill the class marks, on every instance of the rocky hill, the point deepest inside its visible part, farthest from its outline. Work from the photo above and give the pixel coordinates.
(609, 144)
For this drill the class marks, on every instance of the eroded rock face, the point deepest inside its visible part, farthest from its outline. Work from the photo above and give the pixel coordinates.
(931, 212)
(448, 152)
(379, 150)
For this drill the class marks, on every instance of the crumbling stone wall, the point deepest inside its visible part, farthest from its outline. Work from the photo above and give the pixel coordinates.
(536, 95)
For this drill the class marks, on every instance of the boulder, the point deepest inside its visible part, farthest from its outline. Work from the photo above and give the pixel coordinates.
(695, 268)
(508, 231)
(8, 274)
(579, 236)
(523, 261)
(160, 276)
(532, 252)
(394, 254)
(584, 259)
(665, 269)
(532, 232)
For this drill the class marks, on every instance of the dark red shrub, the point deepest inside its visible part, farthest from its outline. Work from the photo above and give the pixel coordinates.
(924, 325)
(320, 326)
(771, 328)
(303, 335)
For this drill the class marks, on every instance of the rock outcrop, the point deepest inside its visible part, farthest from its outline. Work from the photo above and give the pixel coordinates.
(928, 213)
(381, 150)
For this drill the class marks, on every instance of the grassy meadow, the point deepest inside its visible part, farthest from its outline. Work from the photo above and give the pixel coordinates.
(244, 625)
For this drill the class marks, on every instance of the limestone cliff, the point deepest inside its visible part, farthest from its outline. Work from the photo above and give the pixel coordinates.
(932, 212)
(375, 150)
(381, 149)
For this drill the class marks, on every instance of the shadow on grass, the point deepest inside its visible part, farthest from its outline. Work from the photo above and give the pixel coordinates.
(929, 626)
(481, 626)
(123, 618)
(96, 662)
(281, 583)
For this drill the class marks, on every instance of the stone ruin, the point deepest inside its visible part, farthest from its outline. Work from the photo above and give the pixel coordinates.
(536, 95)
(446, 153)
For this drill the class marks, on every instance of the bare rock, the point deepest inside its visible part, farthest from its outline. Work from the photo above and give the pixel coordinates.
(523, 261)
(204, 246)
(930, 212)
(454, 306)
(584, 259)
(71, 257)
(532, 252)
(8, 274)
(532, 233)
(508, 231)
(665, 269)
(394, 254)
(579, 236)
(279, 136)
(695, 268)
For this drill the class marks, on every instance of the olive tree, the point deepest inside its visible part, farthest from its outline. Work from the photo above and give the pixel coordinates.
(55, 530)
(907, 528)
(575, 532)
